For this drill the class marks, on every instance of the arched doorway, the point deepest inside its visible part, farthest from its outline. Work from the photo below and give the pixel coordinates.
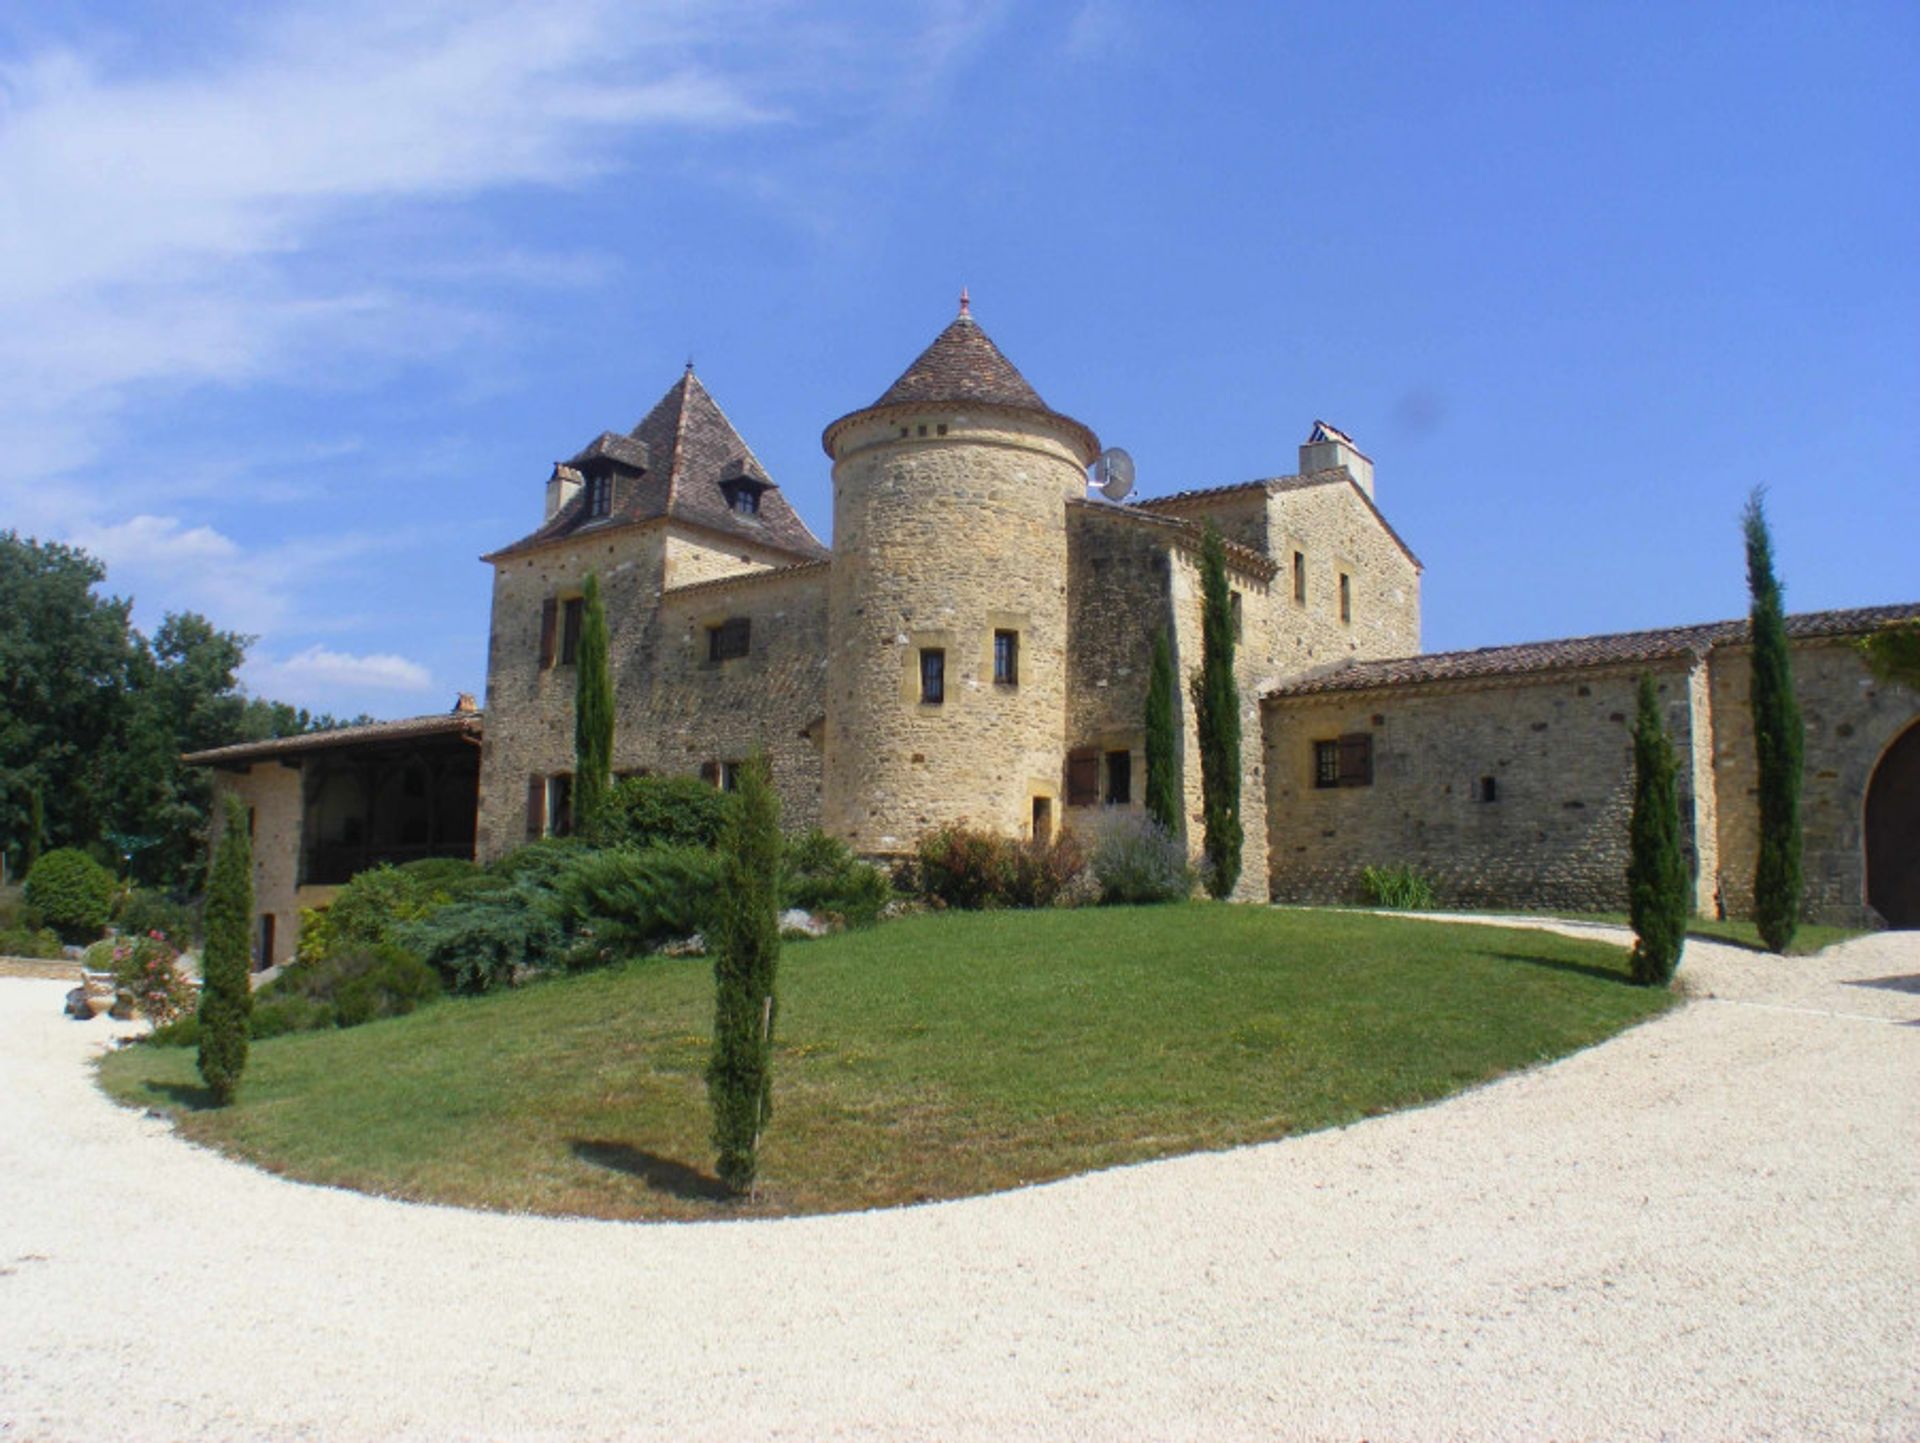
(1893, 832)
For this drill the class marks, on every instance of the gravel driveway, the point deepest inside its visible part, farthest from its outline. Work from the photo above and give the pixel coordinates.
(1707, 1228)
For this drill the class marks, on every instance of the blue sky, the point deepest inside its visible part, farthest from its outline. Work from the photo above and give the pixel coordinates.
(299, 305)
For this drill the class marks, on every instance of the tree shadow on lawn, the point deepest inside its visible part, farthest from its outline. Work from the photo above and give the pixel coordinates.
(1560, 964)
(193, 1096)
(662, 1174)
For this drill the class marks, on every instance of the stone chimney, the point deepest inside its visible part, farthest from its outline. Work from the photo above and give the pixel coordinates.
(465, 705)
(1329, 447)
(562, 487)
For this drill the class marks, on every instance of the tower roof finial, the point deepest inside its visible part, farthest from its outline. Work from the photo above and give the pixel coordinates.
(689, 365)
(966, 306)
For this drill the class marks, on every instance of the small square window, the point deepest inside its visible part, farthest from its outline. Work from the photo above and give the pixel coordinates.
(1326, 764)
(933, 676)
(730, 639)
(573, 613)
(1489, 789)
(560, 805)
(1300, 578)
(1083, 778)
(1006, 658)
(1344, 762)
(1119, 779)
(1346, 597)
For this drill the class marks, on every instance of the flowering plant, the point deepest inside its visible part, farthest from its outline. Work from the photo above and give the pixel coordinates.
(145, 966)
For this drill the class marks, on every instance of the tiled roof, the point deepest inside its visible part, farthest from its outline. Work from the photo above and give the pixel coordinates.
(613, 447)
(963, 366)
(1617, 649)
(467, 723)
(685, 449)
(765, 573)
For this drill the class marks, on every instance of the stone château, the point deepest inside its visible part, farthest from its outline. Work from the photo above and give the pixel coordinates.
(975, 647)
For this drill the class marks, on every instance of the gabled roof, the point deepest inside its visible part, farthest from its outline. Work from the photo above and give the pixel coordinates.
(685, 451)
(964, 367)
(1204, 497)
(1614, 649)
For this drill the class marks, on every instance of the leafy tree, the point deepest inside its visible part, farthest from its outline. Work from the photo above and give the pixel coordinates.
(1778, 741)
(226, 999)
(1893, 653)
(746, 952)
(1216, 716)
(592, 715)
(1657, 875)
(65, 660)
(1163, 769)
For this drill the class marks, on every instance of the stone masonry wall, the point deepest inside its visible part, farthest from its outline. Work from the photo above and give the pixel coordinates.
(1339, 534)
(1559, 749)
(701, 711)
(273, 792)
(939, 541)
(1850, 720)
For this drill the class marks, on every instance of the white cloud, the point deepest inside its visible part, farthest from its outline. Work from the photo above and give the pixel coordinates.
(155, 542)
(318, 676)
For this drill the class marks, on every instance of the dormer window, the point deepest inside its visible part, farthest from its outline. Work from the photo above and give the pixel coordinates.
(743, 497)
(599, 494)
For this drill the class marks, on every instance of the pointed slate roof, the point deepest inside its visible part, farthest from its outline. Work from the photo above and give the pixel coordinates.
(676, 463)
(964, 367)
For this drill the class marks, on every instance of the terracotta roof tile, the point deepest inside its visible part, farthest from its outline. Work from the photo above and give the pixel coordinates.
(466, 723)
(1616, 649)
(963, 366)
(684, 450)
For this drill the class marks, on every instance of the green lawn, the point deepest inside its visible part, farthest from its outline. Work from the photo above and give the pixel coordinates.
(1808, 938)
(933, 1057)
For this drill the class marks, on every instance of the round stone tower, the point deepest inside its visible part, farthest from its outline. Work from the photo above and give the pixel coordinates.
(947, 607)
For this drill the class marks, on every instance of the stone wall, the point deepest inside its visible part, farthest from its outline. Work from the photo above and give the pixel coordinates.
(942, 537)
(1338, 533)
(1850, 721)
(1558, 748)
(700, 711)
(273, 791)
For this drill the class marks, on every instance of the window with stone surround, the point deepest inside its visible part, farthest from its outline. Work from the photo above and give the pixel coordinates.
(1083, 777)
(1006, 658)
(1344, 761)
(730, 639)
(933, 675)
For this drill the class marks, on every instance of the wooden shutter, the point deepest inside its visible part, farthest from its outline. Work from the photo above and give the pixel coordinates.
(549, 626)
(536, 808)
(1356, 760)
(1083, 779)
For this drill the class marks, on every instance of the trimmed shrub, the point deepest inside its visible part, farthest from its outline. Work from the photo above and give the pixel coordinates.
(226, 996)
(369, 912)
(823, 876)
(1401, 888)
(1657, 875)
(619, 902)
(43, 944)
(746, 956)
(965, 867)
(1135, 859)
(71, 893)
(143, 912)
(663, 812)
(1779, 742)
(449, 877)
(479, 944)
(348, 989)
(534, 866)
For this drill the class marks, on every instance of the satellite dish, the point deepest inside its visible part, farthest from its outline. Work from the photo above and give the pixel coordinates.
(1113, 474)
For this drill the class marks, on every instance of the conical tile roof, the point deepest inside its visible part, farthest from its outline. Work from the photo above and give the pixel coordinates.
(964, 367)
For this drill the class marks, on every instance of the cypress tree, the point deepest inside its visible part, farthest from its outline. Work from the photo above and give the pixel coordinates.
(1778, 741)
(226, 999)
(1216, 718)
(592, 714)
(1163, 772)
(746, 952)
(1657, 867)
